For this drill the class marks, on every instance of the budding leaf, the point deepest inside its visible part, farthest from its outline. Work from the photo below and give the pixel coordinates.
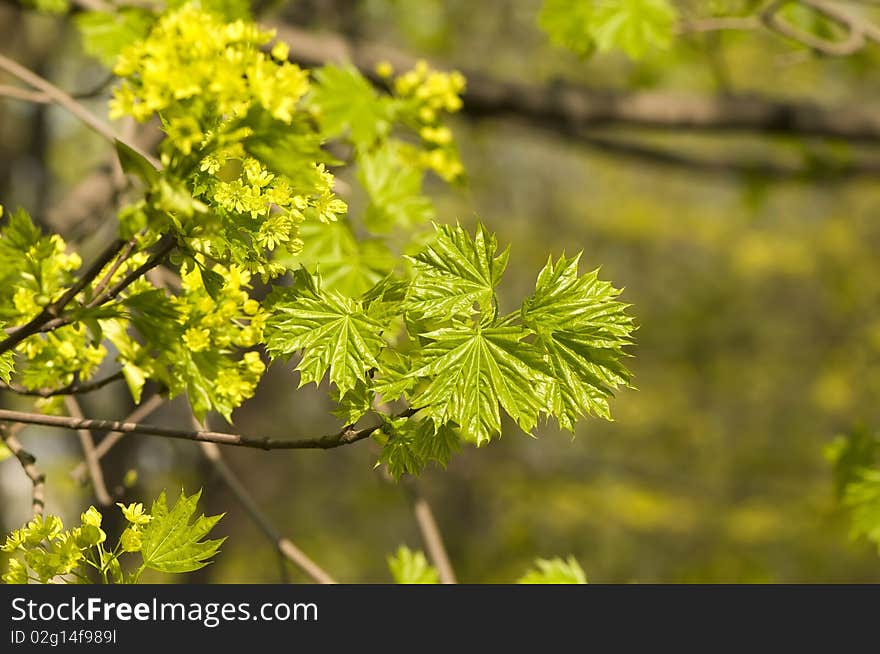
(134, 163)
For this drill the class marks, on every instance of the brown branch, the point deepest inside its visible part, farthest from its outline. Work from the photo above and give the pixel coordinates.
(569, 109)
(28, 464)
(858, 31)
(285, 547)
(80, 472)
(123, 256)
(330, 441)
(431, 535)
(88, 446)
(63, 99)
(24, 95)
(165, 245)
(71, 389)
(643, 153)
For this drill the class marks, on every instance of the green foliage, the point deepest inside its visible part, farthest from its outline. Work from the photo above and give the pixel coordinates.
(171, 541)
(863, 499)
(633, 26)
(857, 480)
(412, 567)
(555, 571)
(43, 552)
(408, 567)
(106, 34)
(455, 359)
(850, 455)
(261, 254)
(335, 332)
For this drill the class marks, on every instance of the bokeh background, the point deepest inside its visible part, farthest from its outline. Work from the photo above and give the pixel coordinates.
(757, 299)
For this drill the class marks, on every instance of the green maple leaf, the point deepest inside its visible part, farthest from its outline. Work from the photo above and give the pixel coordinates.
(333, 331)
(412, 444)
(171, 543)
(634, 26)
(6, 367)
(343, 99)
(106, 34)
(456, 273)
(408, 567)
(346, 264)
(474, 369)
(581, 329)
(555, 571)
(394, 186)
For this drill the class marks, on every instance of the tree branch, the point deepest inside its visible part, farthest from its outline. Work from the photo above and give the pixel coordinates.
(569, 109)
(284, 546)
(431, 534)
(59, 97)
(71, 389)
(80, 472)
(88, 446)
(330, 441)
(28, 464)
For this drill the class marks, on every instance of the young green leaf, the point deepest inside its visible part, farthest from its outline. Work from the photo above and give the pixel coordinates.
(471, 370)
(863, 499)
(171, 543)
(106, 34)
(7, 366)
(333, 331)
(455, 273)
(412, 444)
(555, 571)
(343, 99)
(134, 163)
(394, 186)
(408, 567)
(581, 329)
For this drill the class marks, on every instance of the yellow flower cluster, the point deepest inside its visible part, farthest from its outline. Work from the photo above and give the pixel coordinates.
(193, 55)
(433, 93)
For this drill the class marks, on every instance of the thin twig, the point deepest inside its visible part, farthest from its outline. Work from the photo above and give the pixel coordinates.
(166, 244)
(431, 534)
(330, 441)
(24, 95)
(80, 472)
(74, 388)
(88, 447)
(284, 546)
(63, 99)
(28, 464)
(105, 280)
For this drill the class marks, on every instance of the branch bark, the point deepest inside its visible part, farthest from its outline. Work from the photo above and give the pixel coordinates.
(71, 389)
(88, 446)
(570, 110)
(330, 441)
(28, 464)
(285, 547)
(431, 535)
(80, 472)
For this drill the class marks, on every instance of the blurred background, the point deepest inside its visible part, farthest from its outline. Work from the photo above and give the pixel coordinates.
(757, 297)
